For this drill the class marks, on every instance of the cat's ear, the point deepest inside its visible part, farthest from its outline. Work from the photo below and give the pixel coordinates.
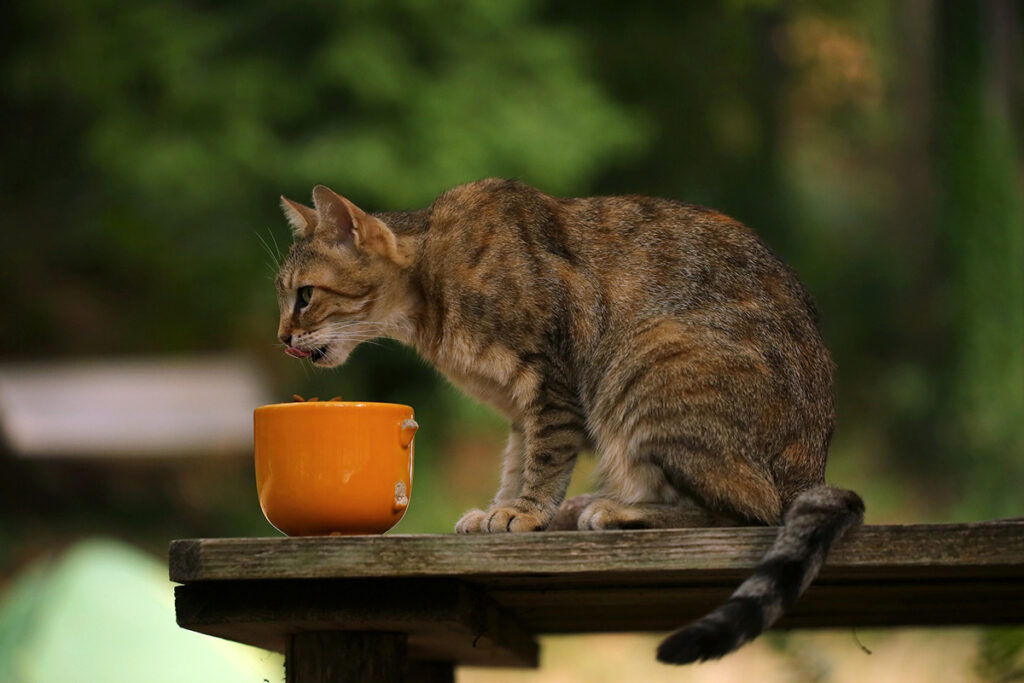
(336, 216)
(302, 218)
(342, 220)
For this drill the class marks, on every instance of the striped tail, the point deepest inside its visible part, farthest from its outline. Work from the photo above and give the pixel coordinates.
(816, 518)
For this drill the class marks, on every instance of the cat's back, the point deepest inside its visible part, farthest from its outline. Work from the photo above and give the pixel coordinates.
(629, 228)
(686, 257)
(644, 255)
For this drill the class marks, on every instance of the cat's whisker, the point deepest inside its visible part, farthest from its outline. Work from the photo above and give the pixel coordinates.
(275, 259)
(277, 248)
(351, 332)
(363, 336)
(349, 323)
(371, 341)
(353, 329)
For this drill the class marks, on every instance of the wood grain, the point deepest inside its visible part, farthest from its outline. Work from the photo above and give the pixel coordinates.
(332, 656)
(479, 600)
(911, 551)
(445, 620)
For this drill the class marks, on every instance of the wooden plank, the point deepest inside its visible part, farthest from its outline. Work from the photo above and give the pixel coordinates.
(331, 656)
(825, 605)
(477, 600)
(444, 620)
(264, 613)
(913, 551)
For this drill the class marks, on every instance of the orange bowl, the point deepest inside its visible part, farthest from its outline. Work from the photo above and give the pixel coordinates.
(334, 467)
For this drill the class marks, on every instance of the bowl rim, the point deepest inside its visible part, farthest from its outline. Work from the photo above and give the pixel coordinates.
(293, 405)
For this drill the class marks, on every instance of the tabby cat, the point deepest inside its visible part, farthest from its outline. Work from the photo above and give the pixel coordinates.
(665, 336)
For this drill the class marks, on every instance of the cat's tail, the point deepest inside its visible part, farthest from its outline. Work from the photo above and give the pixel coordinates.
(815, 519)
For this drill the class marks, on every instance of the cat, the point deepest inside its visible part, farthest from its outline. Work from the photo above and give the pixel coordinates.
(665, 336)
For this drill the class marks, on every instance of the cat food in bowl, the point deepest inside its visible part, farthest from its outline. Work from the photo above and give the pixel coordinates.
(334, 467)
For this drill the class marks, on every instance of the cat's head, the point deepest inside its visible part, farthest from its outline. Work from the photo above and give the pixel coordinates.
(342, 282)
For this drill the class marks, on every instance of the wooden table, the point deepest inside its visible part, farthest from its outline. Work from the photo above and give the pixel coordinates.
(393, 608)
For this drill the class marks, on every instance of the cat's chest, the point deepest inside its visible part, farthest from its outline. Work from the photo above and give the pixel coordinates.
(490, 373)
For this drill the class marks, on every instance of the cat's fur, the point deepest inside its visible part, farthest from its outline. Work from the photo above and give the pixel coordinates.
(665, 336)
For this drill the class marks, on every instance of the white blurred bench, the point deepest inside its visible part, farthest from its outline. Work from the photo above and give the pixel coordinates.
(145, 407)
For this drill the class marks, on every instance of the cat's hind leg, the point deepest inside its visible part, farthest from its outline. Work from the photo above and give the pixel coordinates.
(595, 511)
(608, 513)
(655, 478)
(665, 484)
(691, 412)
(568, 515)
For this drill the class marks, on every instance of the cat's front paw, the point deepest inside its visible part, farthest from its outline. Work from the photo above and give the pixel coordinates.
(472, 522)
(500, 519)
(503, 519)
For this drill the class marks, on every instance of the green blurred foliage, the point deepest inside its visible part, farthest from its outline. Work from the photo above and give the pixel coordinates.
(875, 145)
(174, 126)
(192, 108)
(1001, 655)
(982, 222)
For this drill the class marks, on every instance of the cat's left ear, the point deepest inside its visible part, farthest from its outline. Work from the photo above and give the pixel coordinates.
(340, 219)
(302, 218)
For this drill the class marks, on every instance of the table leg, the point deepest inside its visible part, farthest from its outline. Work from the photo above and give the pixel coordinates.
(430, 672)
(345, 656)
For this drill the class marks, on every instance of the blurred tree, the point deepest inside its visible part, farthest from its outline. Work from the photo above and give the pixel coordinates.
(1000, 655)
(149, 141)
(156, 136)
(708, 78)
(981, 220)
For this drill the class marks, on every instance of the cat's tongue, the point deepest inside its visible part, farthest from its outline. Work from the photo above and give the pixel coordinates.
(297, 353)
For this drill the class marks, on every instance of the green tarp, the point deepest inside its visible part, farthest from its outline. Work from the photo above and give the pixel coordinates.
(103, 611)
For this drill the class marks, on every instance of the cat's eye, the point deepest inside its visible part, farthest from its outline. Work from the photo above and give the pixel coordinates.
(305, 294)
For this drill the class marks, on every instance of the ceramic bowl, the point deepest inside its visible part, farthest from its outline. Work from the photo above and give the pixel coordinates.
(334, 467)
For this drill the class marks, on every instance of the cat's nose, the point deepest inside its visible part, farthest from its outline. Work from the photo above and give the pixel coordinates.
(286, 339)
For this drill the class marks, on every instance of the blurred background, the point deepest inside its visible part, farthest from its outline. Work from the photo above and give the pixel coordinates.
(876, 145)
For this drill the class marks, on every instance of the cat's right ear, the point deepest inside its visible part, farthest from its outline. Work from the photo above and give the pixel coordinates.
(302, 218)
(345, 222)
(335, 214)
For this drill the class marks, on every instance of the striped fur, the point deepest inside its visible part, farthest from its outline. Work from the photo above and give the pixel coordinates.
(816, 519)
(666, 337)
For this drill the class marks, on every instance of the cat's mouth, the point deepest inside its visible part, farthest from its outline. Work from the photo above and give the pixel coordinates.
(315, 355)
